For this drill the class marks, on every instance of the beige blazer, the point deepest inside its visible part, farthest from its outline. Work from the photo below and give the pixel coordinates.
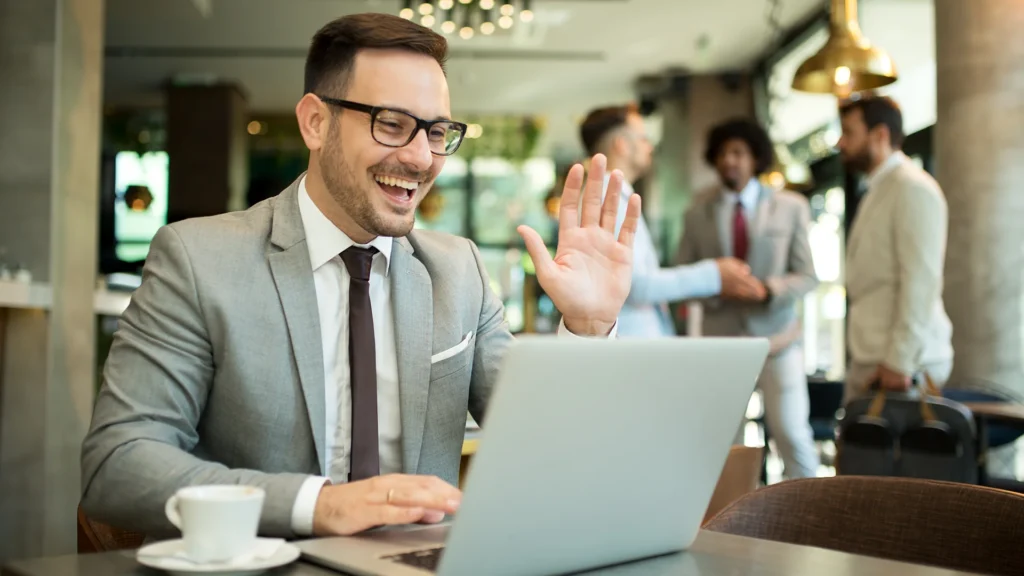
(894, 266)
(215, 374)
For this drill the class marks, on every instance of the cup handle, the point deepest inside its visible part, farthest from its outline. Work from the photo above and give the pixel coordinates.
(171, 510)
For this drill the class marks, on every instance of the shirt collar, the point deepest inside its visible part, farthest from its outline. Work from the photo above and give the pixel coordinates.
(894, 160)
(748, 196)
(325, 240)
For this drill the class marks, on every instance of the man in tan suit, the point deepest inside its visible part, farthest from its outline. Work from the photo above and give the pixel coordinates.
(897, 325)
(767, 229)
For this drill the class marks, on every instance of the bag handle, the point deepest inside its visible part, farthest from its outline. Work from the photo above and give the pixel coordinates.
(927, 414)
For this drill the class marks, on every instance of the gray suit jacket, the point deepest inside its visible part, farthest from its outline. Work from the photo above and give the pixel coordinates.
(216, 371)
(779, 255)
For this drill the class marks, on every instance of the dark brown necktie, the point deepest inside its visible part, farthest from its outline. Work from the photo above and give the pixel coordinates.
(362, 359)
(740, 240)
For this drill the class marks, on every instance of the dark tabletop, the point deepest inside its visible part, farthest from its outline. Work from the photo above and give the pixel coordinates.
(712, 554)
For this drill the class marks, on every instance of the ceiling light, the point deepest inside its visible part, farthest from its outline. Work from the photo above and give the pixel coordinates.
(426, 8)
(848, 62)
(448, 27)
(487, 28)
(466, 33)
(427, 20)
(505, 22)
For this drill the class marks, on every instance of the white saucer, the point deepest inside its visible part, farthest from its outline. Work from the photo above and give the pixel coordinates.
(160, 555)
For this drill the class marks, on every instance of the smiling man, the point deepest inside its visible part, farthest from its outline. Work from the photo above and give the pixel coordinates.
(315, 345)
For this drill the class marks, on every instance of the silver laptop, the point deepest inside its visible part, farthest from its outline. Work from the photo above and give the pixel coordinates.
(593, 453)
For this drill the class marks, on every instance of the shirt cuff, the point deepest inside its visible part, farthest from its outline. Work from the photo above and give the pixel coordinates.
(710, 278)
(305, 505)
(563, 331)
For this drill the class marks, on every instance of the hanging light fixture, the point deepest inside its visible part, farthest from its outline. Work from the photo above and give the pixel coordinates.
(487, 26)
(466, 32)
(848, 62)
(526, 15)
(468, 17)
(407, 11)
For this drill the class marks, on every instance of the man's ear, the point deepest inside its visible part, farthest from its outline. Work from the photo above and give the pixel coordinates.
(882, 135)
(314, 120)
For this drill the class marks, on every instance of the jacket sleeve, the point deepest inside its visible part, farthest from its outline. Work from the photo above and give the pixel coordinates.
(137, 452)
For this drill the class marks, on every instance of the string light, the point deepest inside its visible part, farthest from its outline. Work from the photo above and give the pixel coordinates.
(407, 11)
(526, 15)
(469, 17)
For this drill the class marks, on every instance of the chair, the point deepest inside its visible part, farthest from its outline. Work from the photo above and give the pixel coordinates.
(739, 477)
(950, 525)
(96, 536)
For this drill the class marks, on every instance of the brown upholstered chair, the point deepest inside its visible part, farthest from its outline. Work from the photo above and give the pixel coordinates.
(96, 536)
(955, 526)
(740, 476)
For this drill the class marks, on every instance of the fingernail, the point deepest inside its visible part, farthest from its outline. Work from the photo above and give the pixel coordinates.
(454, 504)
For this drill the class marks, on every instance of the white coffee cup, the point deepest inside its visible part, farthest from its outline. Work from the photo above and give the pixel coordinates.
(217, 523)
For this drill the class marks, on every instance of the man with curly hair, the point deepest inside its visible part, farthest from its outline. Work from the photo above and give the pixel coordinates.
(766, 228)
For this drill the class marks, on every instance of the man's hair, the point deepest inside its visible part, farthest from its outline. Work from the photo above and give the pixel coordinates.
(748, 131)
(601, 122)
(334, 47)
(878, 110)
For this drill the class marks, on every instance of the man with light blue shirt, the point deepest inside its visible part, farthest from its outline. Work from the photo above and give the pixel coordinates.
(618, 132)
(767, 229)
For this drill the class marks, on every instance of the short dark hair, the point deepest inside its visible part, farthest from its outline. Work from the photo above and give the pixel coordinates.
(334, 47)
(602, 121)
(746, 130)
(878, 110)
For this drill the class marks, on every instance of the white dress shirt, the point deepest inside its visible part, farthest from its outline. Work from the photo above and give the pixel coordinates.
(748, 198)
(331, 281)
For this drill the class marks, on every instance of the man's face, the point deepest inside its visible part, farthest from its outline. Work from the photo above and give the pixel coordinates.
(377, 186)
(855, 144)
(735, 163)
(639, 150)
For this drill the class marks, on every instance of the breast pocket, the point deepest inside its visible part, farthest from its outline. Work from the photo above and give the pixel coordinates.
(453, 359)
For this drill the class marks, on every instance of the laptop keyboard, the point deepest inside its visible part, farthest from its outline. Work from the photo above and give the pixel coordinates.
(423, 559)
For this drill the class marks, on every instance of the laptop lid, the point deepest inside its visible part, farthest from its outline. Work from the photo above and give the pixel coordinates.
(597, 452)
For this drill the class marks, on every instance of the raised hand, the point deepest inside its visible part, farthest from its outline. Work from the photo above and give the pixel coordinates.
(589, 278)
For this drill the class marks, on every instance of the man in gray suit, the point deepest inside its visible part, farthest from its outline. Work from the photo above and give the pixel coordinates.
(315, 345)
(766, 228)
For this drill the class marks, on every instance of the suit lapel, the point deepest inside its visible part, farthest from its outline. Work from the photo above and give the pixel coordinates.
(715, 230)
(293, 276)
(413, 302)
(760, 254)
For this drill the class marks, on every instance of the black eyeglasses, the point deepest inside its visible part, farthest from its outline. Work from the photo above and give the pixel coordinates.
(395, 128)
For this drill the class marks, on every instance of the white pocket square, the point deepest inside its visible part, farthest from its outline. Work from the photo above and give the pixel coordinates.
(445, 354)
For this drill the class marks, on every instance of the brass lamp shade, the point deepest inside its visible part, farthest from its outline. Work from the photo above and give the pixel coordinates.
(847, 63)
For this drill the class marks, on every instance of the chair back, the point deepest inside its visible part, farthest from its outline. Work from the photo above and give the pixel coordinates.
(950, 525)
(740, 476)
(96, 536)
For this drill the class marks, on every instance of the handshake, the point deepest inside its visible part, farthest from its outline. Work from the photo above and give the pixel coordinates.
(737, 283)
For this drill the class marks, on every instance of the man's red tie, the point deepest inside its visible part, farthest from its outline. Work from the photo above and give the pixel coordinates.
(740, 240)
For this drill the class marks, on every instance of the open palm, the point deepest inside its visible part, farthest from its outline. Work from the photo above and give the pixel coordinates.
(589, 278)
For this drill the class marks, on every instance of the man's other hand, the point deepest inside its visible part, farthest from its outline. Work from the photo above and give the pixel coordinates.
(346, 509)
